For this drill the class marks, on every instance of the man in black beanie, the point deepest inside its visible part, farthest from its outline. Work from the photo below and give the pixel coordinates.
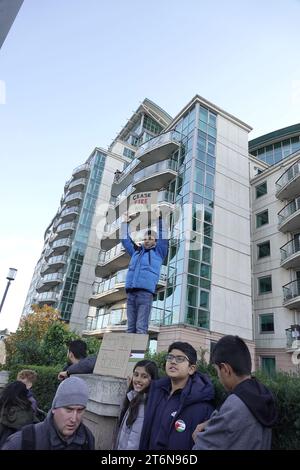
(62, 428)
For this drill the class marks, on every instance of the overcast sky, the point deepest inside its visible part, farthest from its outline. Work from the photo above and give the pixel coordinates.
(75, 70)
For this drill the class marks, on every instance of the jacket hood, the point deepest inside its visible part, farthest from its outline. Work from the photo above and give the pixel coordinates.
(198, 388)
(259, 400)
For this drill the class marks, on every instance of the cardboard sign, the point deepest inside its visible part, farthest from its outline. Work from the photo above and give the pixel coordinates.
(142, 202)
(119, 352)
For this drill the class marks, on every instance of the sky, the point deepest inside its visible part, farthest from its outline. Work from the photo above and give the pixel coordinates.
(73, 71)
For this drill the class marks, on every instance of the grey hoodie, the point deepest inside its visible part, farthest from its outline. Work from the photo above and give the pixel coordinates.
(243, 422)
(129, 436)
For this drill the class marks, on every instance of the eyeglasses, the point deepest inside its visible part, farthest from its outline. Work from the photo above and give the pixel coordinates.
(177, 359)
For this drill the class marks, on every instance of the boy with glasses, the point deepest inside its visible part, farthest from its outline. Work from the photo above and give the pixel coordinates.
(176, 402)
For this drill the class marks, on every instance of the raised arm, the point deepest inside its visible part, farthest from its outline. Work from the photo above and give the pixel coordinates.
(126, 240)
(162, 242)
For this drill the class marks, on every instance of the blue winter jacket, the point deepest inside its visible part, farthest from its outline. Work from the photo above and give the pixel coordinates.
(144, 267)
(193, 407)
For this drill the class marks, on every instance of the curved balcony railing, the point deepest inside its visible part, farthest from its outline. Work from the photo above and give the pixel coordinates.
(81, 169)
(47, 297)
(105, 256)
(118, 317)
(290, 248)
(291, 290)
(119, 177)
(62, 242)
(287, 212)
(68, 211)
(287, 185)
(77, 182)
(293, 337)
(67, 227)
(73, 197)
(51, 278)
(119, 278)
(158, 141)
(124, 194)
(152, 170)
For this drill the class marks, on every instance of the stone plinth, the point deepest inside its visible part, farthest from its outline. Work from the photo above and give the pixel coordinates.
(106, 396)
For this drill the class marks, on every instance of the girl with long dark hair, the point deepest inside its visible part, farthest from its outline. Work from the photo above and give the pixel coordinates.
(132, 414)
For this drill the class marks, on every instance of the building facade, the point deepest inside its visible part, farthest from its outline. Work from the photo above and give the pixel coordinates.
(198, 168)
(64, 273)
(275, 192)
(232, 212)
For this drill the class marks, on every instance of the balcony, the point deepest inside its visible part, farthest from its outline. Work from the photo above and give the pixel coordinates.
(112, 290)
(49, 281)
(122, 179)
(116, 320)
(77, 185)
(111, 261)
(54, 264)
(289, 217)
(81, 171)
(47, 298)
(73, 199)
(61, 245)
(64, 230)
(293, 338)
(288, 185)
(69, 214)
(291, 294)
(155, 177)
(159, 148)
(290, 254)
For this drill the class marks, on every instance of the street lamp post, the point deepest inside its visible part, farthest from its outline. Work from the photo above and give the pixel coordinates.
(11, 276)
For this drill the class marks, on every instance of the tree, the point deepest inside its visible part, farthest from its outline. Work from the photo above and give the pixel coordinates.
(40, 339)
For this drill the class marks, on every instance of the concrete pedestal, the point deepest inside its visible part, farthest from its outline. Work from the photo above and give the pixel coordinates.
(106, 396)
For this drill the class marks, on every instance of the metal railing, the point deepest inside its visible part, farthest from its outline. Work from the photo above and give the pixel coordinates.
(291, 290)
(80, 168)
(105, 256)
(154, 169)
(290, 248)
(288, 176)
(69, 210)
(288, 210)
(118, 317)
(71, 197)
(47, 296)
(158, 141)
(293, 336)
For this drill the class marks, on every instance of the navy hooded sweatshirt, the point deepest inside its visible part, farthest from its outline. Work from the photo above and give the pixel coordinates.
(171, 419)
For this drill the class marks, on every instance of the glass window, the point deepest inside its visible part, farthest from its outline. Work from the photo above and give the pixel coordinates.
(203, 114)
(204, 299)
(263, 249)
(261, 189)
(268, 365)
(265, 285)
(262, 218)
(266, 323)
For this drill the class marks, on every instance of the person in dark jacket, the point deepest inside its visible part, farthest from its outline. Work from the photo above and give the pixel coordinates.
(29, 377)
(177, 402)
(245, 419)
(15, 410)
(62, 428)
(143, 273)
(133, 411)
(79, 362)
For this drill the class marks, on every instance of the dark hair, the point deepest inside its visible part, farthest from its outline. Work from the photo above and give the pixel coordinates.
(232, 350)
(15, 394)
(187, 349)
(141, 397)
(150, 233)
(78, 348)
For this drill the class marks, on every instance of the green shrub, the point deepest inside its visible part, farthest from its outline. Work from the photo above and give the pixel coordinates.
(45, 387)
